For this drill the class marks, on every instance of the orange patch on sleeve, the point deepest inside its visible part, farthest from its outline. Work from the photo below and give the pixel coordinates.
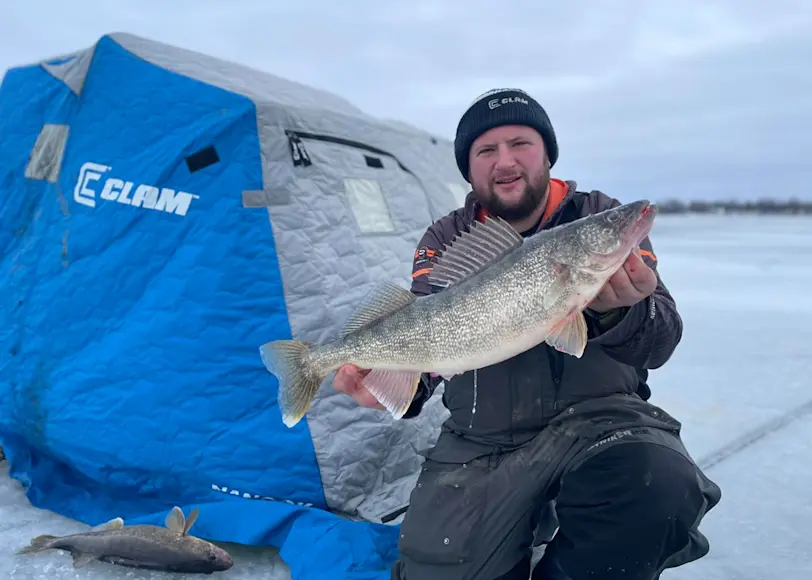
(649, 254)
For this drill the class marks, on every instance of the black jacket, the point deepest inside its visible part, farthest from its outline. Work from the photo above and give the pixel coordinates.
(515, 399)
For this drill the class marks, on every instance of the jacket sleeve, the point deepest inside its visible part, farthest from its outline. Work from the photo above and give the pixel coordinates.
(646, 334)
(429, 246)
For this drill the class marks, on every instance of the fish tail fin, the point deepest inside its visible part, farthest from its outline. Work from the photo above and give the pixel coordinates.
(38, 544)
(298, 383)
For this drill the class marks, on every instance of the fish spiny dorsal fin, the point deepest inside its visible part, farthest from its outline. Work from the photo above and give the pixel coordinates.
(176, 521)
(473, 251)
(383, 300)
(114, 524)
(191, 521)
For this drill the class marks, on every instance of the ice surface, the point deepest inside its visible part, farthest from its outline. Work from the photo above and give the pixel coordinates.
(761, 530)
(742, 285)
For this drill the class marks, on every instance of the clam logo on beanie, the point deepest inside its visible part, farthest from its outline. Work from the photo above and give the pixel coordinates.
(498, 107)
(493, 103)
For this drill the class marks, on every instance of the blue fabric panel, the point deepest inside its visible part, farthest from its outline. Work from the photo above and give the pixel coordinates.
(130, 379)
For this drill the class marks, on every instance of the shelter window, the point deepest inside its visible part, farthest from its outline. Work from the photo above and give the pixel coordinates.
(368, 206)
(202, 159)
(45, 162)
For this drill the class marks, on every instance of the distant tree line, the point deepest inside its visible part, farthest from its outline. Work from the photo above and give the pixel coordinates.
(791, 206)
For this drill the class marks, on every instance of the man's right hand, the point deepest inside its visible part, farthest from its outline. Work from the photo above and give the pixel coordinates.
(349, 380)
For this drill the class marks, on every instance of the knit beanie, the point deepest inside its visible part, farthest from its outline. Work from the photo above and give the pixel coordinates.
(502, 107)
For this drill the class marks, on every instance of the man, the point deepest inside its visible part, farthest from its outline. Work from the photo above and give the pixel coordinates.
(544, 425)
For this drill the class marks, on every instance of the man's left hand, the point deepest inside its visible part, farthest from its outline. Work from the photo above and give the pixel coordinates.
(628, 286)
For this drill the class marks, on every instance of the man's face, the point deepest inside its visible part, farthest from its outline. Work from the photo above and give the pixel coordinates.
(509, 171)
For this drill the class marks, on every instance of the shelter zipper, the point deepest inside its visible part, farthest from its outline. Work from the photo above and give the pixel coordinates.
(298, 153)
(300, 156)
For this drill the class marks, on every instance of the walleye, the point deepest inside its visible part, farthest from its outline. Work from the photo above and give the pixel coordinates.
(501, 295)
(169, 549)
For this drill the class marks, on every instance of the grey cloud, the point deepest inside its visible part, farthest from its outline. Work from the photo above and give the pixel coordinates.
(664, 99)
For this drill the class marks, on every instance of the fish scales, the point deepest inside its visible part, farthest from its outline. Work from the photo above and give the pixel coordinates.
(502, 295)
(465, 323)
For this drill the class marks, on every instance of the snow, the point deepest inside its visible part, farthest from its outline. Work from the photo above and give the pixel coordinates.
(736, 382)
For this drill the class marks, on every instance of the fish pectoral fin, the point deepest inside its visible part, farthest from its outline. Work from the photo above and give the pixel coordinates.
(114, 524)
(473, 251)
(175, 520)
(191, 521)
(383, 300)
(570, 335)
(81, 559)
(395, 390)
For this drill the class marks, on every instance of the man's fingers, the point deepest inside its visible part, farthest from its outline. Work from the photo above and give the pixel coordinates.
(613, 289)
(605, 299)
(635, 265)
(641, 277)
(364, 398)
(348, 379)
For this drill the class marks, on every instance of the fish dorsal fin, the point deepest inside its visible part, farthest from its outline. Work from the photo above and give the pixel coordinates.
(190, 521)
(383, 300)
(114, 524)
(473, 251)
(176, 521)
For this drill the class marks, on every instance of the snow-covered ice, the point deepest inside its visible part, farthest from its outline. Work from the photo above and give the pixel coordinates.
(741, 283)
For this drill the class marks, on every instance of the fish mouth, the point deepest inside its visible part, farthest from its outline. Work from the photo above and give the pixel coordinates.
(643, 216)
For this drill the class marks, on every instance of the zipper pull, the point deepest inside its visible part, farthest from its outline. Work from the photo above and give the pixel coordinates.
(298, 153)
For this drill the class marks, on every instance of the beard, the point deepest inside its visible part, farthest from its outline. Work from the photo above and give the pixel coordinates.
(534, 194)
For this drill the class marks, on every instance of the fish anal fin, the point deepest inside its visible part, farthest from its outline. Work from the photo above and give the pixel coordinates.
(175, 520)
(473, 251)
(114, 524)
(190, 521)
(569, 335)
(81, 559)
(395, 390)
(384, 299)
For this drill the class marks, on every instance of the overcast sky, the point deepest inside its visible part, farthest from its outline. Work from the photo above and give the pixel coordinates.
(656, 98)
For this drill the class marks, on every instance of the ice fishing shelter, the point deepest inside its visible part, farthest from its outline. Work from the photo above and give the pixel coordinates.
(163, 214)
